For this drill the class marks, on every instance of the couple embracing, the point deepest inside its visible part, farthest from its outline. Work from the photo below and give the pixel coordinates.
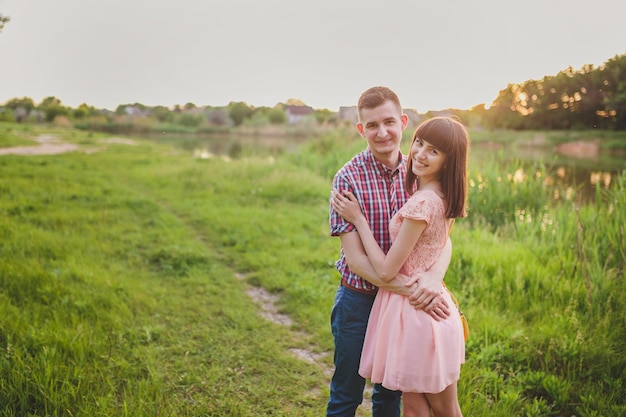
(393, 321)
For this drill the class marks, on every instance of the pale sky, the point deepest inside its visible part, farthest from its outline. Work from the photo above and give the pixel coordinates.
(434, 54)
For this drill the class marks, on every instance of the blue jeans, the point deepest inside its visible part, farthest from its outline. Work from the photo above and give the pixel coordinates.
(348, 323)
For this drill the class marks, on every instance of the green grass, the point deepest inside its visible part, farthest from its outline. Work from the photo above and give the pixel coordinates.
(123, 277)
(12, 135)
(118, 301)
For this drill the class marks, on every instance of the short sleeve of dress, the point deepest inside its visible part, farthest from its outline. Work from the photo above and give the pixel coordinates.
(421, 206)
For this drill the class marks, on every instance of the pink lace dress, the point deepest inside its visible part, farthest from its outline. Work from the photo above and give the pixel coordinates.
(405, 349)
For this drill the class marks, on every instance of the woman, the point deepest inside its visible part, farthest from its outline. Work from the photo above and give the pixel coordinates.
(406, 349)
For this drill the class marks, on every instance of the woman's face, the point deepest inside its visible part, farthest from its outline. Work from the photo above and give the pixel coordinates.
(427, 161)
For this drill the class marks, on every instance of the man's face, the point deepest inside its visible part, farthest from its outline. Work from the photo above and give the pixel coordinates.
(382, 128)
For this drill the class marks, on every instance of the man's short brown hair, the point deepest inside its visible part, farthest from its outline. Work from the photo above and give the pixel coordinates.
(377, 96)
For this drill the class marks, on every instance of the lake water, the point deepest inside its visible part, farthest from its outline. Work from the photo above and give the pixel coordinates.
(578, 167)
(232, 146)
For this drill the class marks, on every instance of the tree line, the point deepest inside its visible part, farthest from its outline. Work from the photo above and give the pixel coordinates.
(588, 98)
(140, 118)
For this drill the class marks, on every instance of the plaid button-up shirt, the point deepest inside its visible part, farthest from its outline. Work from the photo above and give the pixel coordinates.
(380, 192)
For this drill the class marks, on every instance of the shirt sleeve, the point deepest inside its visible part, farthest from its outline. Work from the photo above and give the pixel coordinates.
(337, 224)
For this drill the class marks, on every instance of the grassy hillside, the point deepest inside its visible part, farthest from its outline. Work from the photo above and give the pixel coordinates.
(125, 272)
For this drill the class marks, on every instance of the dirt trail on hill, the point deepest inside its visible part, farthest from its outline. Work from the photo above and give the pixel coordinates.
(267, 304)
(50, 145)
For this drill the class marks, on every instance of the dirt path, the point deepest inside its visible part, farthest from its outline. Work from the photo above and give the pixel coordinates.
(50, 145)
(267, 304)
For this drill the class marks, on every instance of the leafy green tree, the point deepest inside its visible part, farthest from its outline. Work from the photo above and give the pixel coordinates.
(190, 120)
(25, 102)
(504, 110)
(52, 107)
(162, 114)
(614, 80)
(573, 99)
(590, 98)
(277, 116)
(239, 111)
(21, 107)
(324, 116)
(83, 111)
(258, 119)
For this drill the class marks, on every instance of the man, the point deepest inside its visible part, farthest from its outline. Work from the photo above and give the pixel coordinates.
(376, 177)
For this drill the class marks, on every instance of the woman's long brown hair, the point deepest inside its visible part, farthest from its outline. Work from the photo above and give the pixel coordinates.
(449, 136)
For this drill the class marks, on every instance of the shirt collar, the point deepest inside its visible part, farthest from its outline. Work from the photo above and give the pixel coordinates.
(381, 168)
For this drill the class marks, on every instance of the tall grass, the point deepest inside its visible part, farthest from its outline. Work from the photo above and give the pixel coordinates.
(123, 276)
(545, 281)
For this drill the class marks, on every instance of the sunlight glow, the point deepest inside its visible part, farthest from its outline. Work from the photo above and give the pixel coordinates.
(518, 177)
(604, 178)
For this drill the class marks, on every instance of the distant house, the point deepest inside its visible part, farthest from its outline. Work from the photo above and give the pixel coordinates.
(296, 113)
(348, 114)
(136, 111)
